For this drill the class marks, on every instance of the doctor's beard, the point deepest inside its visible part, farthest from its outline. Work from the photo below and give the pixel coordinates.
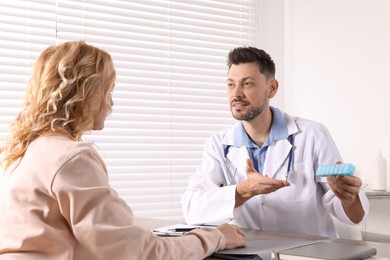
(252, 113)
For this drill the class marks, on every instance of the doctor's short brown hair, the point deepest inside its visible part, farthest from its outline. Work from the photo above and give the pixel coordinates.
(249, 54)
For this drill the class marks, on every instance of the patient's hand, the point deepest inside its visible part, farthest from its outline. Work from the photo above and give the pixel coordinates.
(234, 236)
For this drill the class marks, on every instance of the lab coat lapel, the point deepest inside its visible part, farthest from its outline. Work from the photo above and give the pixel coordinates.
(238, 156)
(277, 154)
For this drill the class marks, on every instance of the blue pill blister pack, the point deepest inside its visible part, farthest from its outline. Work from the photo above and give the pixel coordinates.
(344, 169)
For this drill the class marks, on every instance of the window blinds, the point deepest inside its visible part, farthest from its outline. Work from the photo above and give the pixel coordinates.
(25, 29)
(170, 58)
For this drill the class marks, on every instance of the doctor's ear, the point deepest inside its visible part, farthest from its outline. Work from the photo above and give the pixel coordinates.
(273, 87)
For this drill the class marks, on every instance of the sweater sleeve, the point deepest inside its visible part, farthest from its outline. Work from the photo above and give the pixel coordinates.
(102, 223)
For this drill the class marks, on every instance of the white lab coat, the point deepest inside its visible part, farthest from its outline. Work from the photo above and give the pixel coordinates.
(303, 207)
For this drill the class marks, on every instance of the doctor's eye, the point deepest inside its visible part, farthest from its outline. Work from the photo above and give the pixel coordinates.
(249, 83)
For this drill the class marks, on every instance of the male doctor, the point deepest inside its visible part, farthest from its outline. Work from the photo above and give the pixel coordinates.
(261, 171)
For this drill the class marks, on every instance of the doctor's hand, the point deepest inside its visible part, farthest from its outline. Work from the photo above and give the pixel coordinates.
(346, 188)
(256, 184)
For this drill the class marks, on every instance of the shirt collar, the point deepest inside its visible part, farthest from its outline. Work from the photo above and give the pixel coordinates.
(278, 131)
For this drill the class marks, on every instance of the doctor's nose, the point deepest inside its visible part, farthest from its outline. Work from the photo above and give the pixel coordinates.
(237, 91)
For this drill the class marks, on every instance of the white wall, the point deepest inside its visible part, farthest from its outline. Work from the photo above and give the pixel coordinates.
(271, 22)
(337, 72)
(332, 57)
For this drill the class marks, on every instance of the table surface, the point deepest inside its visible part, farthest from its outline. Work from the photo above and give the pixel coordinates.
(383, 249)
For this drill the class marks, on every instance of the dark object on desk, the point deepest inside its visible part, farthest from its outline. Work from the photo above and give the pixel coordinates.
(182, 229)
(236, 257)
(326, 250)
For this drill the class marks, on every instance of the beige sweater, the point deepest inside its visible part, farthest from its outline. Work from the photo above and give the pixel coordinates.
(58, 204)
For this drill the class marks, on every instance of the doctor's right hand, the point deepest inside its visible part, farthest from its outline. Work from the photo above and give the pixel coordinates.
(256, 184)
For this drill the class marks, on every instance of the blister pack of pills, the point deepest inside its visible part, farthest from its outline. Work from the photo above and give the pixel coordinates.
(344, 169)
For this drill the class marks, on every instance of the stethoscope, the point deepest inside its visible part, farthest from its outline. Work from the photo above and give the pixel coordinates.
(290, 138)
(232, 176)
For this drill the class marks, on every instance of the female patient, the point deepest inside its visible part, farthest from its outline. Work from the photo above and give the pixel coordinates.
(55, 198)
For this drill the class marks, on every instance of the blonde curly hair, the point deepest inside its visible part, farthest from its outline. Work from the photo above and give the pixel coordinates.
(66, 81)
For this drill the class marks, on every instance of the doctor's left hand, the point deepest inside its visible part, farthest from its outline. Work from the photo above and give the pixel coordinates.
(256, 184)
(347, 188)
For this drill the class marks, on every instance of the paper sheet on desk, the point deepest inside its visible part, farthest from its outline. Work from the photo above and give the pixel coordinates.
(178, 229)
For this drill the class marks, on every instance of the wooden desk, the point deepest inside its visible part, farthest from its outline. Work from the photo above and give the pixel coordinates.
(383, 249)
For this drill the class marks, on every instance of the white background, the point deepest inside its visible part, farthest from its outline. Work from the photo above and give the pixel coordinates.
(332, 59)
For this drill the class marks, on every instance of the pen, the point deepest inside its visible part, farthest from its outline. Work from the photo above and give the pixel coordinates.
(182, 229)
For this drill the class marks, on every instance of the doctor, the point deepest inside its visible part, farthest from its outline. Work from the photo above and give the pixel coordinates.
(261, 171)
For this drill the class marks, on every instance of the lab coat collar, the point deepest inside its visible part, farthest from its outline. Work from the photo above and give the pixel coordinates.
(229, 137)
(278, 150)
(278, 131)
